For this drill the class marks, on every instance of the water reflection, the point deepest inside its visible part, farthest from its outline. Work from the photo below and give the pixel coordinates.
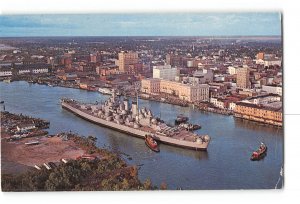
(199, 155)
(247, 124)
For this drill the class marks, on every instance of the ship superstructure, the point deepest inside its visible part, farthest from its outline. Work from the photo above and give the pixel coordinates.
(120, 115)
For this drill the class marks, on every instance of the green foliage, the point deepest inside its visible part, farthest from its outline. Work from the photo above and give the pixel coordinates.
(109, 174)
(147, 184)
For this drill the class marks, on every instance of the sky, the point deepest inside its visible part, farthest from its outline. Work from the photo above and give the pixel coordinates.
(138, 24)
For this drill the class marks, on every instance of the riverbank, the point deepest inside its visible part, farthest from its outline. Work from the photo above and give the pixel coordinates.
(50, 154)
(167, 98)
(233, 139)
(163, 98)
(52, 81)
(47, 79)
(16, 126)
(208, 107)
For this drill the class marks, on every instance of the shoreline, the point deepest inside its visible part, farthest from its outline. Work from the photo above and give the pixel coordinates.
(151, 98)
(50, 153)
(50, 148)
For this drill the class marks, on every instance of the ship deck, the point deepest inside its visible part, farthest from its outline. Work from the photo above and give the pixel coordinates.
(170, 135)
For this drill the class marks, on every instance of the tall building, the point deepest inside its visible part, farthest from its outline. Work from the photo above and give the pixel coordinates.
(126, 59)
(135, 68)
(242, 78)
(67, 61)
(164, 72)
(174, 60)
(260, 56)
(95, 57)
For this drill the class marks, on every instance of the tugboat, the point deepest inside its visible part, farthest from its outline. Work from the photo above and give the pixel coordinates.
(260, 153)
(181, 119)
(151, 143)
(196, 127)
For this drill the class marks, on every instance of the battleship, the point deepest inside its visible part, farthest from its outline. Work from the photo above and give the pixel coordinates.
(117, 114)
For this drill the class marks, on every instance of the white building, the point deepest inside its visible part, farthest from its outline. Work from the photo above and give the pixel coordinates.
(164, 72)
(232, 106)
(217, 102)
(264, 99)
(199, 92)
(190, 63)
(187, 92)
(24, 71)
(272, 62)
(150, 86)
(25, 127)
(40, 70)
(231, 70)
(272, 89)
(260, 61)
(5, 72)
(219, 77)
(202, 77)
(214, 101)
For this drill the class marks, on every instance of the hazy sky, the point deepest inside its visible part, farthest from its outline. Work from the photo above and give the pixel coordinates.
(149, 24)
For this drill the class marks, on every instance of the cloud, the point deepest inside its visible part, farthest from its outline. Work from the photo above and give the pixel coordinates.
(36, 21)
(142, 24)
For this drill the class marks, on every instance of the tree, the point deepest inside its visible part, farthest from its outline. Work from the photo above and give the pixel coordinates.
(125, 184)
(163, 186)
(92, 140)
(147, 184)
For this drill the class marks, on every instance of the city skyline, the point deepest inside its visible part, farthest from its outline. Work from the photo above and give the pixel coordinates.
(199, 105)
(137, 24)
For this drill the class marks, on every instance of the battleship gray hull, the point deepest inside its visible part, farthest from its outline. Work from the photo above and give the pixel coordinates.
(195, 145)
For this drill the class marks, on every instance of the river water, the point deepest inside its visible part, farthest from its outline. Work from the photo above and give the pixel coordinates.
(225, 165)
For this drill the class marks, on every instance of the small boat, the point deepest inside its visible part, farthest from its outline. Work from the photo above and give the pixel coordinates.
(260, 153)
(181, 119)
(32, 143)
(2, 102)
(7, 80)
(196, 127)
(105, 91)
(151, 143)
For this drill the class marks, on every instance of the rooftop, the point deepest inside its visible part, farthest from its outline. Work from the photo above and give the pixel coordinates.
(276, 108)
